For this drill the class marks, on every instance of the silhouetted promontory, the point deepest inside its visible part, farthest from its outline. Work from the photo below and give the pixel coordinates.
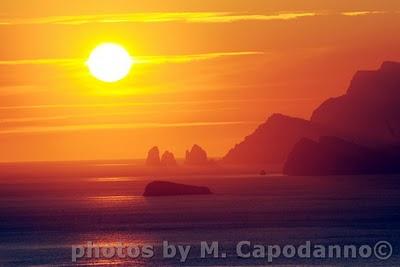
(273, 140)
(368, 115)
(335, 156)
(369, 112)
(162, 188)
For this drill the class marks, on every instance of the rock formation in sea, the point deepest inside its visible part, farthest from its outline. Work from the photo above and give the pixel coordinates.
(335, 156)
(162, 188)
(168, 159)
(196, 156)
(153, 157)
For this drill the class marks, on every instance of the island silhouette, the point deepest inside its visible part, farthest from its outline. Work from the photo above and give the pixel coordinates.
(163, 188)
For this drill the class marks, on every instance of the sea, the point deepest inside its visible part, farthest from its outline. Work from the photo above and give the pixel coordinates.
(52, 221)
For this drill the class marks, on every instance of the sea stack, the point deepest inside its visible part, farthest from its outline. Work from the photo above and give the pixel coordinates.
(153, 157)
(196, 156)
(168, 159)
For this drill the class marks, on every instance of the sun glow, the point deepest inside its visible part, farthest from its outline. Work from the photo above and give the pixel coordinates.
(109, 62)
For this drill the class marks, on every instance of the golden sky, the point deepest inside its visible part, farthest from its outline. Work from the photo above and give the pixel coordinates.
(207, 71)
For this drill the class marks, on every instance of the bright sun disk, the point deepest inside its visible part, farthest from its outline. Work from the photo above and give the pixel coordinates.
(109, 62)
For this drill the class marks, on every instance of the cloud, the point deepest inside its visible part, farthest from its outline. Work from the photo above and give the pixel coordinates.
(115, 126)
(249, 17)
(157, 17)
(4, 121)
(184, 17)
(137, 60)
(362, 13)
(172, 103)
(43, 61)
(190, 58)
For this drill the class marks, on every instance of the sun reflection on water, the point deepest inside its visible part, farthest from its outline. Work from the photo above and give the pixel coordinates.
(114, 198)
(114, 179)
(114, 240)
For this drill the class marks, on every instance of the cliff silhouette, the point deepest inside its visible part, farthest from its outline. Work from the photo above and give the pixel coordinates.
(335, 156)
(367, 115)
(369, 112)
(273, 140)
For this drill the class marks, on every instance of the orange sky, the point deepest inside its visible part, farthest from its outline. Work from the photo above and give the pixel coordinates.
(209, 71)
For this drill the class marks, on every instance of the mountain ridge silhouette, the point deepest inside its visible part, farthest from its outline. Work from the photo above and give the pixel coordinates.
(366, 114)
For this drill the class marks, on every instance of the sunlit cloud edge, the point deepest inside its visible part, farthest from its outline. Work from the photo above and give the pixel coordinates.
(137, 60)
(184, 17)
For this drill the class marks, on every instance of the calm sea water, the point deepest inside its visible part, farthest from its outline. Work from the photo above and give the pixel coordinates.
(41, 219)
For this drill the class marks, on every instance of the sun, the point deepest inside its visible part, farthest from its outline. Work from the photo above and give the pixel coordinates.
(109, 62)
